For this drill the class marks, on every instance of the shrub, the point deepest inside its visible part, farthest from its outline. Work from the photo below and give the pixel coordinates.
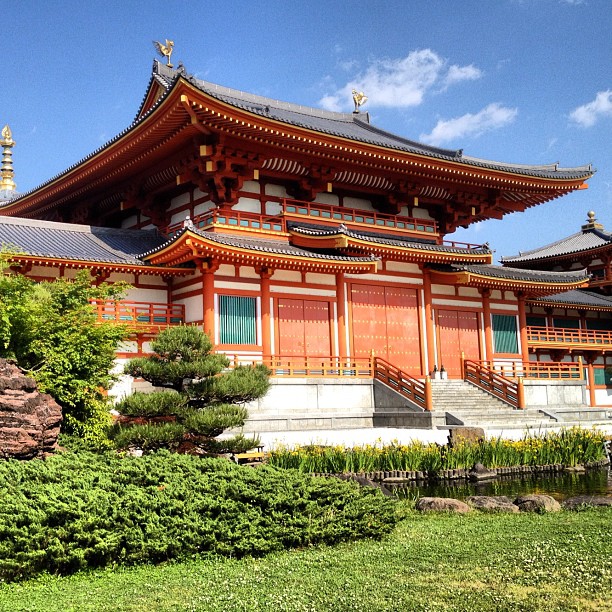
(200, 394)
(77, 511)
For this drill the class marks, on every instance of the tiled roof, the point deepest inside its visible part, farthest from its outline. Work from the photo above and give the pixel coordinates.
(69, 241)
(381, 238)
(261, 245)
(517, 274)
(579, 297)
(354, 126)
(585, 240)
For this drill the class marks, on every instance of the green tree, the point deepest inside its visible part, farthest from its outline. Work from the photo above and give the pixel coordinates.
(199, 398)
(51, 331)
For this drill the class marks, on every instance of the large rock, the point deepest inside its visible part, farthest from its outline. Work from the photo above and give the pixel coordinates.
(465, 435)
(491, 503)
(479, 472)
(29, 420)
(537, 503)
(582, 501)
(441, 504)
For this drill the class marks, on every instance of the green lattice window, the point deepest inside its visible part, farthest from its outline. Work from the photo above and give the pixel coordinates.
(237, 320)
(599, 324)
(567, 323)
(505, 337)
(602, 376)
(536, 320)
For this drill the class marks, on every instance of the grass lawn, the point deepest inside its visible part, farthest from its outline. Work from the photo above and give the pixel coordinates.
(560, 561)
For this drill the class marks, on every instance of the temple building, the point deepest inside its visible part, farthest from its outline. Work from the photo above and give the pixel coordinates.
(316, 242)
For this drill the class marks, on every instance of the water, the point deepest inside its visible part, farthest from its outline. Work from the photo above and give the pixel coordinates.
(559, 486)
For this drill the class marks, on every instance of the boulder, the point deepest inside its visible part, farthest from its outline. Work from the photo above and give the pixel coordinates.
(462, 435)
(537, 503)
(441, 504)
(580, 501)
(488, 503)
(480, 472)
(29, 420)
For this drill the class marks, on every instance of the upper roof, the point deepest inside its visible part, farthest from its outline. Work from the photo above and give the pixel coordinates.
(578, 297)
(353, 126)
(73, 242)
(591, 236)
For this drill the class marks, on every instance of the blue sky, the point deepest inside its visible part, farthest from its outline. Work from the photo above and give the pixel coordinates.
(521, 81)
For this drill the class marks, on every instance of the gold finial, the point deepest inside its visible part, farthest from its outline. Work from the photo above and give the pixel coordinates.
(359, 98)
(164, 50)
(6, 172)
(591, 222)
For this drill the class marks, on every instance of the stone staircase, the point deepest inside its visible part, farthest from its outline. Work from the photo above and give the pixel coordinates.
(466, 404)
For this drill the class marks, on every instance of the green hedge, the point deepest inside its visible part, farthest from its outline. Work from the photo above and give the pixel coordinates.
(77, 511)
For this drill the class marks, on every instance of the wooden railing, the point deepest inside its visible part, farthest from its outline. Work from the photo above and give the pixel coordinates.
(541, 370)
(289, 366)
(567, 336)
(233, 219)
(411, 388)
(140, 314)
(482, 376)
(356, 216)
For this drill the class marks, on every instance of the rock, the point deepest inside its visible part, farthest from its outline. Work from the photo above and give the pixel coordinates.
(574, 469)
(480, 472)
(587, 500)
(492, 504)
(441, 504)
(29, 420)
(365, 482)
(537, 503)
(462, 435)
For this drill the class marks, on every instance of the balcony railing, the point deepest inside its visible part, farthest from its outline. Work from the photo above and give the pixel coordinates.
(354, 216)
(411, 388)
(235, 219)
(140, 314)
(563, 337)
(540, 370)
(290, 366)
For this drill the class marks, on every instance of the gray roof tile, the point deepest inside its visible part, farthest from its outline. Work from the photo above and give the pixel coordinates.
(76, 242)
(579, 297)
(518, 274)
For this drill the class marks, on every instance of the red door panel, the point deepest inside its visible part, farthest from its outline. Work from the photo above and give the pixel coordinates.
(457, 333)
(303, 328)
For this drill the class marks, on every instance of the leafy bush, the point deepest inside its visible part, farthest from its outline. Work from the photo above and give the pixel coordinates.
(77, 511)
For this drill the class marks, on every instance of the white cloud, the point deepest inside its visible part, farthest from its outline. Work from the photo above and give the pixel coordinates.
(456, 74)
(492, 117)
(400, 82)
(588, 114)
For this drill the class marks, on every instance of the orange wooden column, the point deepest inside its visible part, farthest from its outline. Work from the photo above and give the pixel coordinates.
(208, 297)
(486, 313)
(523, 325)
(266, 315)
(341, 309)
(429, 326)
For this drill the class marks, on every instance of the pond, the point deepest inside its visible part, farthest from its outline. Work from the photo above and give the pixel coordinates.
(559, 486)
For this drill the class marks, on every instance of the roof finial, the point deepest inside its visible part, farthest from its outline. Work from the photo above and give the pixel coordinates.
(591, 222)
(359, 98)
(6, 173)
(165, 50)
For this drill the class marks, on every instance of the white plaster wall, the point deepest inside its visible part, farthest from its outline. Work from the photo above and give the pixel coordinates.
(248, 272)
(276, 190)
(248, 205)
(193, 308)
(180, 201)
(158, 296)
(421, 213)
(320, 279)
(443, 289)
(468, 292)
(400, 266)
(291, 276)
(327, 198)
(202, 207)
(359, 203)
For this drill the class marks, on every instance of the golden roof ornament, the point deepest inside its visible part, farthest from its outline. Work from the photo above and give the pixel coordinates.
(164, 50)
(359, 98)
(6, 172)
(591, 222)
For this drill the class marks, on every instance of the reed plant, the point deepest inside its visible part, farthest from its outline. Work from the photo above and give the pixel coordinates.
(568, 447)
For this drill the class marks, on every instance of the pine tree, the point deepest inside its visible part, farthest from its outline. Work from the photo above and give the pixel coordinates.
(199, 397)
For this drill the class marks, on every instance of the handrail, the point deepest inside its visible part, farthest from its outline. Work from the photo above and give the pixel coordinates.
(563, 335)
(239, 219)
(307, 366)
(549, 370)
(409, 387)
(490, 381)
(140, 313)
(357, 216)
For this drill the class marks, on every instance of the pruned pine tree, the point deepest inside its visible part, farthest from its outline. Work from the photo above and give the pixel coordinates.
(199, 397)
